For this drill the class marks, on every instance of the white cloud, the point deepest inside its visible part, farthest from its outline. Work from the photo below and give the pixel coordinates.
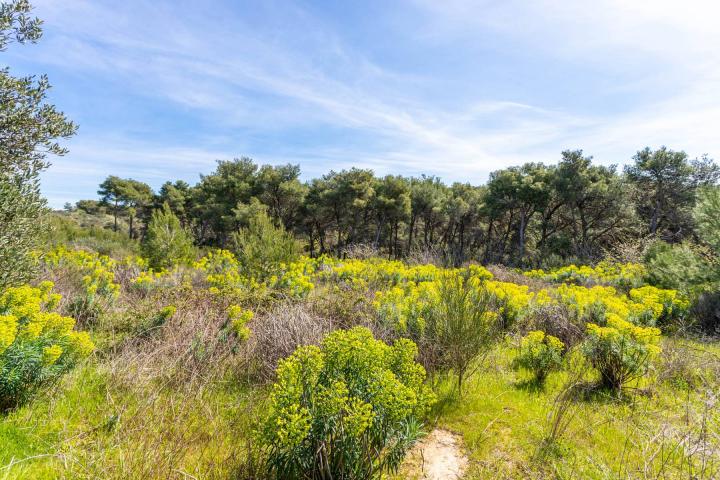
(304, 74)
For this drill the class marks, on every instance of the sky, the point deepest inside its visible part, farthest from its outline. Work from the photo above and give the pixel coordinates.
(163, 89)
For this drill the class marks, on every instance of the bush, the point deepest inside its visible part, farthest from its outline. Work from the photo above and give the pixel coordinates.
(261, 247)
(451, 319)
(348, 409)
(539, 354)
(22, 226)
(166, 242)
(461, 324)
(99, 289)
(37, 345)
(621, 351)
(239, 319)
(678, 267)
(706, 310)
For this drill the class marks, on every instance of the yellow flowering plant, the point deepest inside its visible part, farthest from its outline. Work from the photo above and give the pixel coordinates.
(622, 275)
(620, 351)
(37, 345)
(97, 272)
(540, 354)
(239, 318)
(350, 408)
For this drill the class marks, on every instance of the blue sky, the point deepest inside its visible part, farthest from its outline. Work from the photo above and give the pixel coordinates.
(162, 89)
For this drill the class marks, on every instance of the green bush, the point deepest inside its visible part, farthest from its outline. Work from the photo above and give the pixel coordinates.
(461, 324)
(707, 216)
(676, 267)
(348, 409)
(78, 229)
(706, 311)
(262, 246)
(166, 242)
(21, 228)
(37, 345)
(621, 351)
(539, 354)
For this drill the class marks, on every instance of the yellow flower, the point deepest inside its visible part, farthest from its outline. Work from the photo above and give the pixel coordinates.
(8, 331)
(33, 329)
(51, 354)
(82, 343)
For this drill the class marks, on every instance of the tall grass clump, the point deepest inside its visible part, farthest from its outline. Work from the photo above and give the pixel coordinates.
(350, 408)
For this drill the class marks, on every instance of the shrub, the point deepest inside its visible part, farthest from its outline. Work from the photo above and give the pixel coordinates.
(262, 246)
(706, 311)
(239, 318)
(99, 289)
(621, 351)
(678, 267)
(662, 307)
(539, 354)
(22, 225)
(461, 324)
(349, 409)
(37, 345)
(166, 242)
(451, 319)
(621, 275)
(165, 314)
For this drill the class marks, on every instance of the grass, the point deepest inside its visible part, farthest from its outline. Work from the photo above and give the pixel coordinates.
(656, 432)
(93, 425)
(150, 404)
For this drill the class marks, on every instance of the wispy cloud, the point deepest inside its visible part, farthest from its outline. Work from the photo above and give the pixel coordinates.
(283, 83)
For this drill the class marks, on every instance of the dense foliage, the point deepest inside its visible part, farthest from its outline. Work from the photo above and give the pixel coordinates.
(621, 351)
(540, 354)
(528, 215)
(348, 409)
(29, 130)
(37, 344)
(166, 242)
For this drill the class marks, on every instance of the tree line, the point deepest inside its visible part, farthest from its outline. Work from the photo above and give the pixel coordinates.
(572, 209)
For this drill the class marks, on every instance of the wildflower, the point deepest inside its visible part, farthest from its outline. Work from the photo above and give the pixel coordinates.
(51, 354)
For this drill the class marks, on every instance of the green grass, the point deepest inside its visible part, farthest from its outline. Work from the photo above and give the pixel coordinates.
(113, 417)
(90, 426)
(504, 424)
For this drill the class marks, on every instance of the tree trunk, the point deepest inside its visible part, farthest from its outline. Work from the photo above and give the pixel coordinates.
(410, 233)
(395, 244)
(378, 228)
(521, 237)
(655, 217)
(115, 215)
(488, 242)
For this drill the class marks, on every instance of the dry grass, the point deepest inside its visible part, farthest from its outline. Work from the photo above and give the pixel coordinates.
(278, 332)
